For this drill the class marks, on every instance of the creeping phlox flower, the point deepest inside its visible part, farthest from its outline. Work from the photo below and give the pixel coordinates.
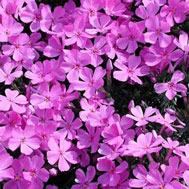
(65, 70)
(172, 87)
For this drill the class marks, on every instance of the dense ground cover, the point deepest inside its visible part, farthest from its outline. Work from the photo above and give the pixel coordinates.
(94, 94)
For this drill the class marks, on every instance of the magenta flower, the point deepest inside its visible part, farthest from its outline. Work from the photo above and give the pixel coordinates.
(91, 81)
(131, 70)
(157, 30)
(34, 173)
(18, 179)
(87, 109)
(101, 24)
(158, 180)
(84, 181)
(114, 7)
(158, 2)
(96, 50)
(54, 47)
(174, 11)
(186, 177)
(32, 14)
(130, 33)
(7, 74)
(140, 173)
(101, 116)
(146, 144)
(19, 47)
(112, 175)
(5, 170)
(70, 126)
(49, 20)
(172, 87)
(76, 32)
(8, 28)
(46, 97)
(142, 118)
(146, 12)
(162, 57)
(13, 100)
(61, 152)
(40, 72)
(36, 45)
(183, 43)
(25, 139)
(74, 64)
(88, 139)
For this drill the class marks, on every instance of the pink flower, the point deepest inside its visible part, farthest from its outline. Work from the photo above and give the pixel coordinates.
(162, 57)
(6, 162)
(61, 152)
(101, 24)
(40, 72)
(32, 14)
(70, 126)
(114, 7)
(76, 32)
(96, 50)
(183, 43)
(172, 87)
(146, 144)
(13, 100)
(146, 12)
(174, 11)
(50, 20)
(6, 75)
(8, 28)
(18, 178)
(156, 29)
(34, 173)
(131, 33)
(87, 108)
(54, 48)
(112, 175)
(157, 180)
(140, 173)
(101, 116)
(89, 138)
(46, 97)
(186, 177)
(26, 139)
(91, 81)
(74, 64)
(142, 118)
(158, 2)
(131, 70)
(19, 47)
(84, 181)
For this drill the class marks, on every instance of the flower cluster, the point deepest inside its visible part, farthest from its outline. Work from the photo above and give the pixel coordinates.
(57, 66)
